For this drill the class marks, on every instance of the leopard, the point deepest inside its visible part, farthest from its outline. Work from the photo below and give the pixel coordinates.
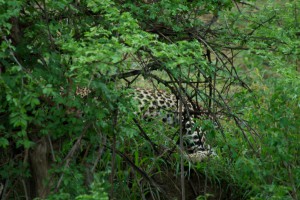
(159, 103)
(154, 103)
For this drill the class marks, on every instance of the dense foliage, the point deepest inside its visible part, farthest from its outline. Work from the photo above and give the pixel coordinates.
(238, 60)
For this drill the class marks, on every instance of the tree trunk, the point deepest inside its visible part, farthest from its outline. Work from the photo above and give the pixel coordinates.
(38, 158)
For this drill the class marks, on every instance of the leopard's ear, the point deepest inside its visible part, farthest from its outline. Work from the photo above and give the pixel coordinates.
(82, 91)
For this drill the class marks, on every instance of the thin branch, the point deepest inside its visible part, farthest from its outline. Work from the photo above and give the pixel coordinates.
(261, 24)
(181, 145)
(139, 170)
(99, 154)
(144, 135)
(249, 4)
(25, 189)
(113, 159)
(51, 148)
(236, 5)
(150, 67)
(12, 53)
(71, 154)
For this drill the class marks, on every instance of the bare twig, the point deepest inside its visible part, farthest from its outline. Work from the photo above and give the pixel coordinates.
(25, 189)
(51, 148)
(71, 154)
(144, 135)
(236, 5)
(137, 169)
(99, 154)
(113, 159)
(249, 4)
(181, 145)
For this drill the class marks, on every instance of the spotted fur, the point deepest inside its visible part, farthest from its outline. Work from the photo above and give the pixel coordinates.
(158, 103)
(154, 103)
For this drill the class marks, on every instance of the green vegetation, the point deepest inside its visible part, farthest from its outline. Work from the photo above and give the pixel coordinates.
(239, 60)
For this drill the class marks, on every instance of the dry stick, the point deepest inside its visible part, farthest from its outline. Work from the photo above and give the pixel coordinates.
(144, 135)
(46, 15)
(113, 160)
(292, 182)
(211, 49)
(85, 154)
(210, 84)
(100, 152)
(249, 4)
(70, 155)
(176, 92)
(150, 67)
(237, 6)
(25, 160)
(140, 186)
(1, 189)
(261, 24)
(137, 169)
(233, 70)
(181, 144)
(25, 189)
(165, 82)
(204, 94)
(6, 195)
(51, 148)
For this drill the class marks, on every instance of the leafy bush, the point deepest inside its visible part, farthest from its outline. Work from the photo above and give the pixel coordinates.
(239, 63)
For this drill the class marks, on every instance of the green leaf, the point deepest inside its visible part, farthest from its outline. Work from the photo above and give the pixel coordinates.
(3, 142)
